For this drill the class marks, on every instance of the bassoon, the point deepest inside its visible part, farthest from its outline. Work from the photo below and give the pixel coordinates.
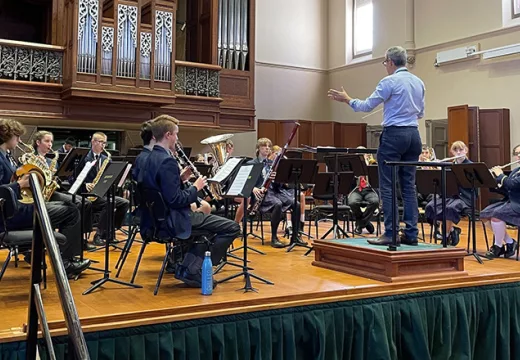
(267, 180)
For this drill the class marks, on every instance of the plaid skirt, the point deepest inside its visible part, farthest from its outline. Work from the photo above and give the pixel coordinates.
(503, 211)
(455, 207)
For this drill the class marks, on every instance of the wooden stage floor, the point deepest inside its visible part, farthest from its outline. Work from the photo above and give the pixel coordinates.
(297, 283)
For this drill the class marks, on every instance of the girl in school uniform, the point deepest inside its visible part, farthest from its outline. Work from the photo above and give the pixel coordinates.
(505, 211)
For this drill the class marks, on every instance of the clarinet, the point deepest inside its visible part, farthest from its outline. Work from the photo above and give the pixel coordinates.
(189, 164)
(267, 180)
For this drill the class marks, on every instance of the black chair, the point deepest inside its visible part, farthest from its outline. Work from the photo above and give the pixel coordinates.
(16, 241)
(153, 202)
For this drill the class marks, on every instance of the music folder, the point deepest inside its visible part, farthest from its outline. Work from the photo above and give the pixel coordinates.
(244, 181)
(112, 174)
(75, 157)
(226, 170)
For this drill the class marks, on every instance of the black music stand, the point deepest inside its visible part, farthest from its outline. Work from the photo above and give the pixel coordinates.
(474, 176)
(429, 182)
(296, 172)
(115, 173)
(242, 187)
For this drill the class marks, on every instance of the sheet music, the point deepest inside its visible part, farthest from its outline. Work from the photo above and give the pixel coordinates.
(226, 170)
(81, 177)
(240, 180)
(124, 176)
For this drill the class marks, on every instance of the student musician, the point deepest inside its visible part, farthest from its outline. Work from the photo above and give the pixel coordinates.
(67, 146)
(289, 192)
(505, 211)
(363, 195)
(456, 205)
(275, 200)
(161, 173)
(97, 152)
(63, 215)
(42, 143)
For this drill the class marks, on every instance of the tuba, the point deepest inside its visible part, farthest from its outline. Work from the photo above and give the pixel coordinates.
(31, 163)
(217, 145)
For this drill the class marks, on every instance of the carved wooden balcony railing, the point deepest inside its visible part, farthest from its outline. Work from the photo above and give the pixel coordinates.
(197, 79)
(31, 62)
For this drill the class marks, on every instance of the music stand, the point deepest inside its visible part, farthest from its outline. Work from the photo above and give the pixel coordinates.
(474, 176)
(242, 187)
(69, 166)
(296, 172)
(114, 173)
(429, 182)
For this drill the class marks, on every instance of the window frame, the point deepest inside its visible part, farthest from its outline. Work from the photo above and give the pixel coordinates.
(355, 54)
(515, 15)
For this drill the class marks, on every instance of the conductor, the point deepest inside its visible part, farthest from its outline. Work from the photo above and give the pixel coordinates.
(402, 94)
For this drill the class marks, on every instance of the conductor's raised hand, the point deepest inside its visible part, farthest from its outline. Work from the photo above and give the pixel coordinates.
(200, 183)
(338, 95)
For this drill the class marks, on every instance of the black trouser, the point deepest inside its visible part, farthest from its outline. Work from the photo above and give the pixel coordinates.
(358, 199)
(100, 205)
(277, 215)
(87, 211)
(65, 216)
(226, 232)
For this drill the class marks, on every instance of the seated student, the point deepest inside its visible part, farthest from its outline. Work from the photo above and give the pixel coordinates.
(70, 142)
(456, 205)
(97, 152)
(505, 211)
(275, 200)
(161, 172)
(63, 215)
(363, 193)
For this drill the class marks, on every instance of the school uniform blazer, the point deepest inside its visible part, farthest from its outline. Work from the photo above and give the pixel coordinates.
(161, 172)
(140, 160)
(511, 184)
(25, 211)
(92, 173)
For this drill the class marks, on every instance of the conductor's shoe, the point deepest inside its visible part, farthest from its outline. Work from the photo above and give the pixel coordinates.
(407, 241)
(383, 240)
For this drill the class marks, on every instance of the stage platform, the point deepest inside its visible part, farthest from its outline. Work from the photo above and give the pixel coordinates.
(117, 318)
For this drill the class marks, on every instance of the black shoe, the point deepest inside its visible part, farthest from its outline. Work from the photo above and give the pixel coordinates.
(370, 228)
(406, 241)
(510, 249)
(494, 252)
(288, 232)
(88, 246)
(98, 241)
(276, 243)
(192, 280)
(384, 240)
(454, 236)
(300, 241)
(75, 267)
(358, 230)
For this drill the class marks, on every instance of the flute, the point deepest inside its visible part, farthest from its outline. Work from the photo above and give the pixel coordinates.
(511, 163)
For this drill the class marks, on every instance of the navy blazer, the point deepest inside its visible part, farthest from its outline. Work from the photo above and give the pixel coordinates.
(139, 161)
(511, 184)
(161, 172)
(24, 217)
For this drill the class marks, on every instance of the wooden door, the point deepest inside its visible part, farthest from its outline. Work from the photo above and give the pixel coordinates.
(439, 138)
(458, 124)
(495, 146)
(473, 131)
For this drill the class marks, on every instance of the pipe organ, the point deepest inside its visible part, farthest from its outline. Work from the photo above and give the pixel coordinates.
(115, 61)
(232, 34)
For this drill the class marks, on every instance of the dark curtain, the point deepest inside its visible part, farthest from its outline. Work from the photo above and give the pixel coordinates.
(473, 323)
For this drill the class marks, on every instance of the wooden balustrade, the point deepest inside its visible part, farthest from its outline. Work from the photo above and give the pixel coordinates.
(197, 79)
(32, 62)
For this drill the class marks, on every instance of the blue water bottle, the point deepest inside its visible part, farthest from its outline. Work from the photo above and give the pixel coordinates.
(207, 275)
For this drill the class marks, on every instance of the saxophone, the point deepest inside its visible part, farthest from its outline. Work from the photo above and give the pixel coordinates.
(53, 184)
(99, 174)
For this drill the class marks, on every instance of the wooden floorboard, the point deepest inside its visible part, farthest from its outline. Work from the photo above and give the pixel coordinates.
(297, 282)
